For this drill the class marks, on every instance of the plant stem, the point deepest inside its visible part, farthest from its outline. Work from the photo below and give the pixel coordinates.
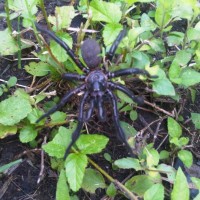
(8, 16)
(19, 55)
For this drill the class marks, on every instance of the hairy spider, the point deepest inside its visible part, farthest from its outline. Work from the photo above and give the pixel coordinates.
(96, 84)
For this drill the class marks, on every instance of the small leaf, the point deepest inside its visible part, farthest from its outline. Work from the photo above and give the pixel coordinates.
(196, 120)
(169, 170)
(147, 23)
(155, 192)
(8, 45)
(64, 16)
(103, 11)
(9, 165)
(175, 38)
(174, 129)
(128, 129)
(90, 144)
(58, 117)
(152, 157)
(37, 69)
(62, 191)
(196, 181)
(180, 142)
(34, 115)
(186, 157)
(128, 163)
(157, 45)
(75, 170)
(27, 134)
(164, 154)
(111, 190)
(14, 109)
(12, 81)
(133, 115)
(92, 180)
(182, 57)
(7, 130)
(180, 185)
(189, 77)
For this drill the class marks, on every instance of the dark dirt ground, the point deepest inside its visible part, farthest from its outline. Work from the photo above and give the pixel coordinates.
(21, 183)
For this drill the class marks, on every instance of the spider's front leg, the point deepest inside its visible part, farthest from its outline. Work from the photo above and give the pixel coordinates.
(120, 131)
(62, 101)
(81, 120)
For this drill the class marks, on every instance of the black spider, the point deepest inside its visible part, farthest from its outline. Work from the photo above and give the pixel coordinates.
(96, 84)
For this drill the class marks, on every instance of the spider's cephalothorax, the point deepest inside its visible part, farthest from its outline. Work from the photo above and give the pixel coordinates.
(96, 84)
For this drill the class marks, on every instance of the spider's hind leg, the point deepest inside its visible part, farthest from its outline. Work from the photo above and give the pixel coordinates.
(120, 131)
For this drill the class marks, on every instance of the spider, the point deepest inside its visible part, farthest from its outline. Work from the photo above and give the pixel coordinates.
(96, 85)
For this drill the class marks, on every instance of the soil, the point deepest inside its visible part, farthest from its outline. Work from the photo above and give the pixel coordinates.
(20, 183)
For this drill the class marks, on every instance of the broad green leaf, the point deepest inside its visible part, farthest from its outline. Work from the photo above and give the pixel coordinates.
(196, 181)
(182, 57)
(152, 157)
(75, 169)
(139, 184)
(169, 170)
(157, 45)
(130, 2)
(8, 44)
(7, 130)
(175, 38)
(27, 134)
(110, 33)
(57, 50)
(133, 115)
(128, 129)
(174, 73)
(163, 87)
(103, 11)
(186, 157)
(124, 97)
(147, 23)
(62, 191)
(128, 163)
(13, 110)
(90, 144)
(163, 12)
(111, 190)
(180, 142)
(63, 17)
(164, 154)
(58, 117)
(189, 77)
(34, 115)
(92, 180)
(155, 192)
(193, 34)
(196, 120)
(9, 165)
(174, 129)
(58, 145)
(180, 189)
(37, 69)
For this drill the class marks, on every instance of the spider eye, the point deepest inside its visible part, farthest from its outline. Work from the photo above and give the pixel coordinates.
(90, 51)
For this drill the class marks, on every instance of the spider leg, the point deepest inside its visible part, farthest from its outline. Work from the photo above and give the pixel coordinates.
(64, 46)
(114, 46)
(101, 111)
(123, 89)
(89, 112)
(124, 72)
(77, 131)
(62, 101)
(73, 76)
(120, 131)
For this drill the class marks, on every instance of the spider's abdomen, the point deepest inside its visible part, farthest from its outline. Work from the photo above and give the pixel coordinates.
(96, 82)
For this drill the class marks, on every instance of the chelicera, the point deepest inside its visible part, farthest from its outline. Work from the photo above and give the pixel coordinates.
(96, 85)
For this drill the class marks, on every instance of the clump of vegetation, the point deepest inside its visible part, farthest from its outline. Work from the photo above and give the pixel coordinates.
(153, 44)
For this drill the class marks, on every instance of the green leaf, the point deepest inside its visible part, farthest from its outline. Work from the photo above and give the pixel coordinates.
(27, 134)
(157, 45)
(189, 77)
(57, 50)
(130, 2)
(152, 157)
(169, 170)
(75, 169)
(58, 145)
(9, 165)
(186, 157)
(12, 81)
(196, 181)
(37, 69)
(182, 57)
(124, 97)
(128, 163)
(163, 12)
(90, 144)
(128, 129)
(193, 34)
(7, 130)
(58, 117)
(110, 33)
(196, 120)
(111, 190)
(147, 23)
(14, 109)
(133, 115)
(175, 38)
(62, 191)
(34, 115)
(63, 17)
(180, 142)
(163, 87)
(174, 129)
(8, 45)
(180, 185)
(139, 184)
(164, 154)
(103, 11)
(155, 192)
(92, 180)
